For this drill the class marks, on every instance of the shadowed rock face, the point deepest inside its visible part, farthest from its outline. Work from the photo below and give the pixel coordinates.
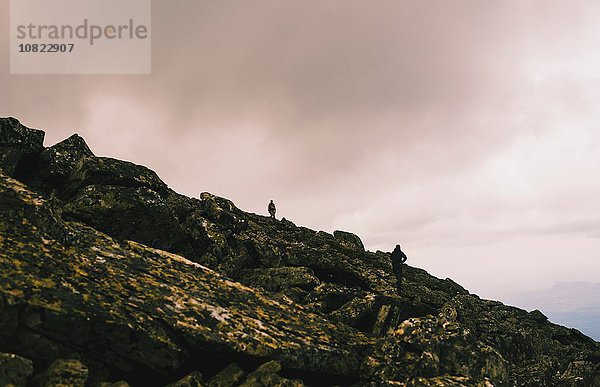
(60, 159)
(18, 144)
(104, 269)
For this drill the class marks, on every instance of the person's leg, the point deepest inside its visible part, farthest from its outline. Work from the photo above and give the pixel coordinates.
(398, 273)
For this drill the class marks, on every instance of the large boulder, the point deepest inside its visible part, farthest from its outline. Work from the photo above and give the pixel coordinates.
(107, 171)
(431, 347)
(349, 238)
(58, 161)
(18, 145)
(134, 213)
(140, 313)
(222, 212)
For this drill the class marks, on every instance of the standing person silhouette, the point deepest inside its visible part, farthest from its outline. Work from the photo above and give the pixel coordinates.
(398, 259)
(272, 209)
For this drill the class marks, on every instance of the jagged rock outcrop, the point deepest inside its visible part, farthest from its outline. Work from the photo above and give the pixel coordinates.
(18, 144)
(103, 264)
(60, 160)
(349, 238)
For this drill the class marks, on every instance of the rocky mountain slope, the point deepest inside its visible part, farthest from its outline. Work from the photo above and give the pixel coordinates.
(108, 277)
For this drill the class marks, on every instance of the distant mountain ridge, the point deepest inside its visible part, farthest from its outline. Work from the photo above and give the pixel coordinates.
(107, 275)
(574, 304)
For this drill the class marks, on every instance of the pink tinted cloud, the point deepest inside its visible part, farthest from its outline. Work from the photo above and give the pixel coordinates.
(449, 126)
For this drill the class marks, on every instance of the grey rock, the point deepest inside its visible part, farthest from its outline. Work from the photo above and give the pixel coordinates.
(433, 346)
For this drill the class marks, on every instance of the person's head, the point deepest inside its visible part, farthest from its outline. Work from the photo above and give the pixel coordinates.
(271, 200)
(398, 247)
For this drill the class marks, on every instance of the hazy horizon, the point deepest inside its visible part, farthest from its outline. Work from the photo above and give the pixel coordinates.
(466, 131)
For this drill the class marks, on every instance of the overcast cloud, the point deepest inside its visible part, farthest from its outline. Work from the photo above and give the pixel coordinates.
(468, 131)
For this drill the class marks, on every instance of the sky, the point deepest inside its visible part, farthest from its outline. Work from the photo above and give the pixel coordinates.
(467, 131)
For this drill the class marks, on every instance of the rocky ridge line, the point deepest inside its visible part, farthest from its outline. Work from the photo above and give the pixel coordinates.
(107, 274)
